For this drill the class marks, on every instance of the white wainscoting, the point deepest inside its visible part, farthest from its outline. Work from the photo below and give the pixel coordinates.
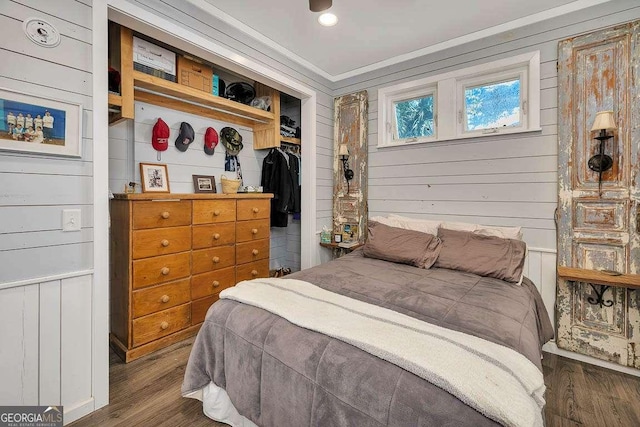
(45, 331)
(540, 267)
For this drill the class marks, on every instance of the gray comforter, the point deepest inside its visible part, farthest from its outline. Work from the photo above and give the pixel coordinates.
(278, 374)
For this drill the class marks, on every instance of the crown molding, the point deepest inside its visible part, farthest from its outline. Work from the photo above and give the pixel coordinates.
(508, 26)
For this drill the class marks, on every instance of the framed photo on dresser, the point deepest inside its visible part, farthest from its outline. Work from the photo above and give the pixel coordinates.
(204, 184)
(154, 178)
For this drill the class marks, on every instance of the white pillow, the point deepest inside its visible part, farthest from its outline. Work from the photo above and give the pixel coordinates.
(485, 230)
(504, 232)
(422, 225)
(460, 226)
(384, 220)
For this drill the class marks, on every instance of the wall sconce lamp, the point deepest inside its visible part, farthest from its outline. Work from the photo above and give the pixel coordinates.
(602, 162)
(343, 152)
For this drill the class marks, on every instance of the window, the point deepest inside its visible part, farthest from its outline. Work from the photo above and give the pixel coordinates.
(495, 98)
(414, 116)
(493, 102)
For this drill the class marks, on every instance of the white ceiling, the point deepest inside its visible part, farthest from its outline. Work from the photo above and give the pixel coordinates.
(371, 34)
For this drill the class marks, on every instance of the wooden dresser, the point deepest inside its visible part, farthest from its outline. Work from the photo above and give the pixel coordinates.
(172, 254)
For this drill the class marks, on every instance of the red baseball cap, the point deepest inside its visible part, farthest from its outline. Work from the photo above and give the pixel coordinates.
(160, 138)
(210, 141)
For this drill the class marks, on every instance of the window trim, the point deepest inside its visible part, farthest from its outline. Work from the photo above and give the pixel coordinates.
(447, 100)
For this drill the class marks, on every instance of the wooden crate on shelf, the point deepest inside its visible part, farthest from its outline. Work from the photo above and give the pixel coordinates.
(194, 74)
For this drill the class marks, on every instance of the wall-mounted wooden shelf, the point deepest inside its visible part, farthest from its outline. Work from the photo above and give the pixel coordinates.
(138, 86)
(164, 87)
(290, 140)
(115, 100)
(599, 277)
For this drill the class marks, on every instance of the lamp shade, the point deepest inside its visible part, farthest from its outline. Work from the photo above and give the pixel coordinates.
(343, 150)
(604, 121)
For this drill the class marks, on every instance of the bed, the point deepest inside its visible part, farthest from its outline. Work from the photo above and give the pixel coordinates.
(251, 366)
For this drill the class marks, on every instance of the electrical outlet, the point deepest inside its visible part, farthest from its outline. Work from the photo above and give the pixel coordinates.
(71, 220)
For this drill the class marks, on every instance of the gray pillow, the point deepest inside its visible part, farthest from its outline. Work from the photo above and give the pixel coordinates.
(401, 246)
(487, 256)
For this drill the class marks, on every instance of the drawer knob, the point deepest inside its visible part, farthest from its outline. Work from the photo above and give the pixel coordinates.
(165, 214)
(254, 273)
(164, 271)
(256, 210)
(215, 284)
(216, 212)
(216, 236)
(254, 231)
(164, 298)
(216, 259)
(164, 325)
(165, 243)
(255, 252)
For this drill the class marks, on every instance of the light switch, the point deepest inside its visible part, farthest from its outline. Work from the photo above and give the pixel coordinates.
(71, 220)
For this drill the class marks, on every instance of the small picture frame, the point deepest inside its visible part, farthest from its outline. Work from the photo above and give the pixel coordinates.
(337, 238)
(204, 184)
(154, 178)
(349, 233)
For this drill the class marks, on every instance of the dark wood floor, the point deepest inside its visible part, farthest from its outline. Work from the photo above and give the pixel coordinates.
(146, 392)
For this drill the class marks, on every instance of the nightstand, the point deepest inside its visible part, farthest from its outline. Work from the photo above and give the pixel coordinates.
(339, 251)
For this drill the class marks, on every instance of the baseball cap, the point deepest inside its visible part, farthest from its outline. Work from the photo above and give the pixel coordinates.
(210, 140)
(160, 135)
(185, 138)
(232, 140)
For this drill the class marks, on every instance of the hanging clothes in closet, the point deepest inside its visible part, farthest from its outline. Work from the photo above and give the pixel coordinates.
(281, 176)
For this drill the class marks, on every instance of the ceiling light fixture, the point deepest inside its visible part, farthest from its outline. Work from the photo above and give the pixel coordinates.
(328, 19)
(319, 5)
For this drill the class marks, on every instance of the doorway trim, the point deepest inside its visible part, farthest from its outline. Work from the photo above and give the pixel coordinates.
(158, 27)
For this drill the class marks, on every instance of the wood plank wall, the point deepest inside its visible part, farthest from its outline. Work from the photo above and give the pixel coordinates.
(45, 274)
(182, 165)
(35, 189)
(501, 180)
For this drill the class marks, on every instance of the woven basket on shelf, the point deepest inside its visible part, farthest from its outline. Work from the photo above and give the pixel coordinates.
(229, 186)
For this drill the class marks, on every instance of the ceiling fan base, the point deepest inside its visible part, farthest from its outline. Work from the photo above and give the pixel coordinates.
(319, 5)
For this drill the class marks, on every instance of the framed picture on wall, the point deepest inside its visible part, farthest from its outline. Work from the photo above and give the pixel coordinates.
(204, 184)
(36, 124)
(154, 178)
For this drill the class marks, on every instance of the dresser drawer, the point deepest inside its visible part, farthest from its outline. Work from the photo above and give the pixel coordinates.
(213, 259)
(206, 236)
(161, 297)
(213, 282)
(163, 323)
(252, 251)
(199, 308)
(252, 230)
(161, 241)
(253, 209)
(160, 269)
(252, 270)
(150, 214)
(210, 211)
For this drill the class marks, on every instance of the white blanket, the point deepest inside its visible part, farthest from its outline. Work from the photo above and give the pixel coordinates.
(495, 380)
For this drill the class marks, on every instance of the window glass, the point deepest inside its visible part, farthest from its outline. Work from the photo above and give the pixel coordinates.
(414, 117)
(493, 105)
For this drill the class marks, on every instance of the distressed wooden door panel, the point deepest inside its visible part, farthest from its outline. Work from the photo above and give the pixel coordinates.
(350, 127)
(597, 229)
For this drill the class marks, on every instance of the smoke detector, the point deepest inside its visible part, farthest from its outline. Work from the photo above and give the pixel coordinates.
(41, 32)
